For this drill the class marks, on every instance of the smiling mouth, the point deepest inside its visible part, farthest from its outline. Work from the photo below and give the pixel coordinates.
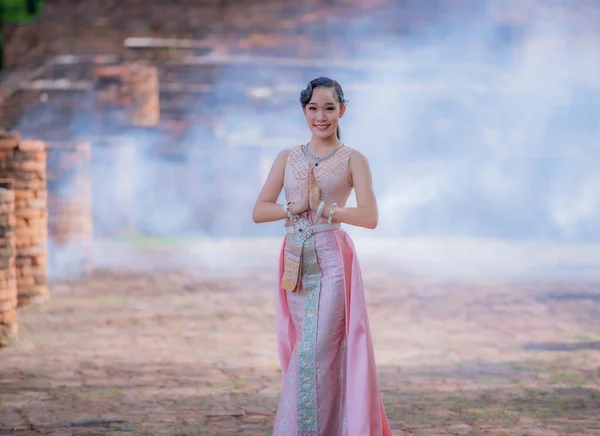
(322, 126)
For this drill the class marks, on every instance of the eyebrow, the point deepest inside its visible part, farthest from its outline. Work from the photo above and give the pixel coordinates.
(314, 104)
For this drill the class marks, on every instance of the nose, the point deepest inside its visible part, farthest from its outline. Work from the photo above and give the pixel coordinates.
(320, 115)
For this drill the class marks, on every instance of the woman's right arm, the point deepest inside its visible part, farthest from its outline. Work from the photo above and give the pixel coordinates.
(266, 208)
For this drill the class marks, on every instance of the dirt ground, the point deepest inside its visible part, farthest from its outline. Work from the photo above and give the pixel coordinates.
(182, 352)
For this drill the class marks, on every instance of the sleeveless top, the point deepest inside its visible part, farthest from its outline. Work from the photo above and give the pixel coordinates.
(332, 174)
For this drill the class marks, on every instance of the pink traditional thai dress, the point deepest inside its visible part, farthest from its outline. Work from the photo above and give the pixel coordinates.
(326, 353)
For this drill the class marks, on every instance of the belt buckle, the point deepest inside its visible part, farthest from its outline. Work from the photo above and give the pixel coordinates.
(302, 229)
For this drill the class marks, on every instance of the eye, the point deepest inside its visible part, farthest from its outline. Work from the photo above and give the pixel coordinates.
(312, 108)
(330, 109)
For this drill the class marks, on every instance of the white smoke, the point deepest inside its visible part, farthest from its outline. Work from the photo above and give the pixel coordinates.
(486, 144)
(473, 129)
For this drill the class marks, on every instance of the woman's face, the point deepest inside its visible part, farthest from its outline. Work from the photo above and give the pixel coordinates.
(323, 112)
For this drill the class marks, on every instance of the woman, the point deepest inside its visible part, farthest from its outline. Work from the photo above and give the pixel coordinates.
(330, 380)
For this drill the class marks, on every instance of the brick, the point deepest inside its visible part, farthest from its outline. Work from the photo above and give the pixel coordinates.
(8, 285)
(8, 317)
(26, 216)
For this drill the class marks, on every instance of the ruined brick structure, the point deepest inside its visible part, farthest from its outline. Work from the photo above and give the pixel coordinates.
(8, 279)
(70, 225)
(24, 161)
(127, 94)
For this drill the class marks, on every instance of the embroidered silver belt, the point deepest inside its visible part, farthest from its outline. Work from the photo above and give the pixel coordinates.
(303, 229)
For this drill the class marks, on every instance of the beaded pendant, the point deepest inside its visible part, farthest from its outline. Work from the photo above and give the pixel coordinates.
(318, 159)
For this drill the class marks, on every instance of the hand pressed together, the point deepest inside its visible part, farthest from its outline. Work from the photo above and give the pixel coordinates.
(310, 196)
(314, 191)
(302, 204)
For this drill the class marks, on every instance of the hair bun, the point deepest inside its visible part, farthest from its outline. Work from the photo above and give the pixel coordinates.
(306, 95)
(322, 82)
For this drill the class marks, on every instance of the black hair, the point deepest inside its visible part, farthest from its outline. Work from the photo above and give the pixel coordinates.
(323, 82)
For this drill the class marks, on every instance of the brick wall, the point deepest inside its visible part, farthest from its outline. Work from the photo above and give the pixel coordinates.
(69, 26)
(309, 28)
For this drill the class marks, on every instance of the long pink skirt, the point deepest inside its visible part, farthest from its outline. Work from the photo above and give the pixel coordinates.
(318, 336)
(313, 400)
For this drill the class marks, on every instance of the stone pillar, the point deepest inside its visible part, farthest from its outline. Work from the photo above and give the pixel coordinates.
(70, 225)
(140, 85)
(8, 274)
(25, 162)
(127, 95)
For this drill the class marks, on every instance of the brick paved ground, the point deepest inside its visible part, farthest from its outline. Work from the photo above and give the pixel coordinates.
(188, 353)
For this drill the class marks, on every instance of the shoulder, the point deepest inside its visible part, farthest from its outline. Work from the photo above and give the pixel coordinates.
(287, 151)
(345, 153)
(359, 165)
(358, 158)
(284, 154)
(348, 149)
(295, 150)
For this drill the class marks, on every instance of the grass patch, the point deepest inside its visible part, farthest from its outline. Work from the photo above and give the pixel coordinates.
(519, 366)
(491, 381)
(559, 376)
(112, 300)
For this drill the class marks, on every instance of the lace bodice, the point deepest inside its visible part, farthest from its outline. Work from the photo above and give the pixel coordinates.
(332, 174)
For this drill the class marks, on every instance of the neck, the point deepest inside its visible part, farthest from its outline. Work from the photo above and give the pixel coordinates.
(321, 143)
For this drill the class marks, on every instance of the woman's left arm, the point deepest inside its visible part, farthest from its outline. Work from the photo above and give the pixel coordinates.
(365, 213)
